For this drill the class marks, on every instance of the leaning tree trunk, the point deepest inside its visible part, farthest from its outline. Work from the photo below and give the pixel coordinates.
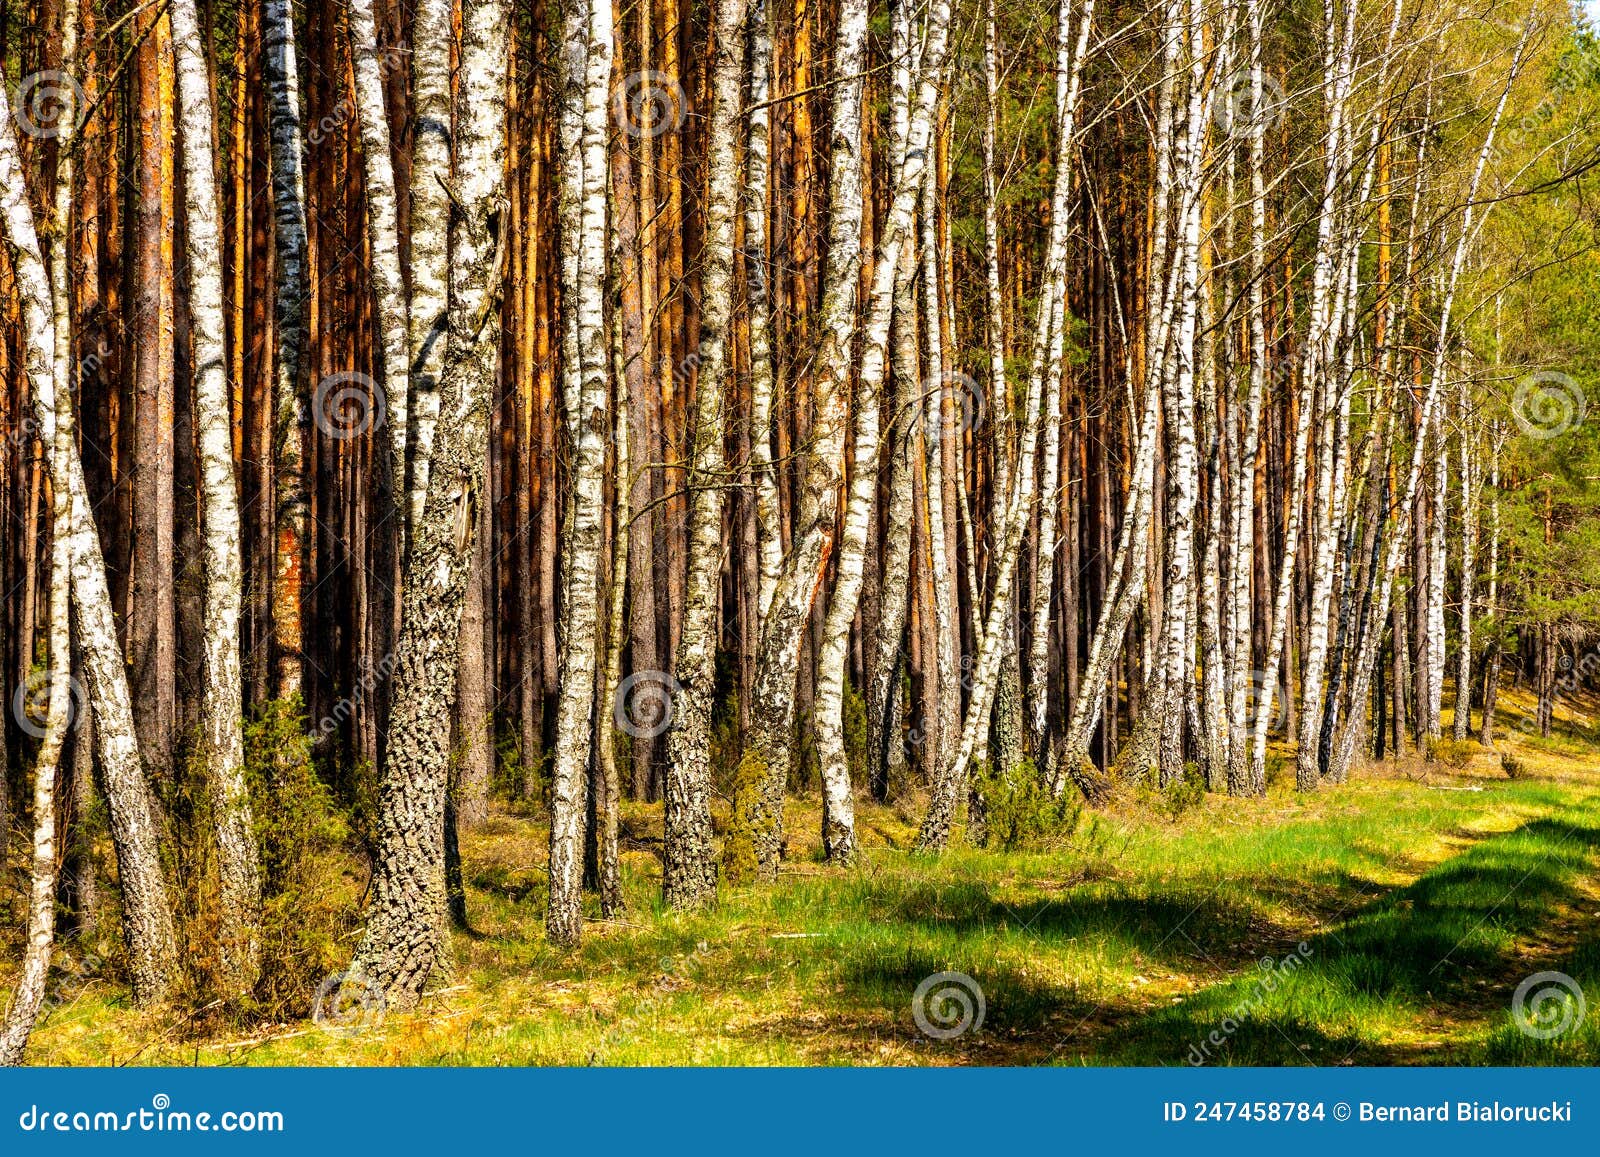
(913, 178)
(951, 774)
(222, 731)
(146, 909)
(689, 874)
(405, 939)
(28, 996)
(816, 503)
(1344, 749)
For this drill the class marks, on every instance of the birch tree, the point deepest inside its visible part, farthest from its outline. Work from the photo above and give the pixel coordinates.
(587, 421)
(292, 512)
(146, 907)
(222, 733)
(406, 936)
(689, 876)
(816, 507)
(28, 994)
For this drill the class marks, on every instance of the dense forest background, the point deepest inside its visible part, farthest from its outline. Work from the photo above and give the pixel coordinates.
(629, 414)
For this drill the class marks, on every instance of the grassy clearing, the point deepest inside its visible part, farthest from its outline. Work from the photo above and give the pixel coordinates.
(1387, 921)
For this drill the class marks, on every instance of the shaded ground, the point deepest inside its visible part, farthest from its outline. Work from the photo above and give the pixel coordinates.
(1389, 921)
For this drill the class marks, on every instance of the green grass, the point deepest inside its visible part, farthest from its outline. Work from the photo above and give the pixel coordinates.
(1398, 913)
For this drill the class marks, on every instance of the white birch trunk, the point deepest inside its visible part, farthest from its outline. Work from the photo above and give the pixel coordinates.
(1398, 540)
(1339, 49)
(27, 996)
(222, 726)
(393, 308)
(757, 181)
(817, 503)
(1462, 722)
(292, 506)
(689, 877)
(146, 908)
(406, 937)
(1243, 515)
(590, 425)
(1047, 353)
(428, 321)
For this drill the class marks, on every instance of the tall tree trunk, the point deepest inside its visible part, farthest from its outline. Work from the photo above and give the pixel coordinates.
(147, 911)
(589, 425)
(816, 506)
(152, 623)
(757, 187)
(950, 777)
(429, 252)
(222, 730)
(27, 996)
(405, 939)
(292, 509)
(474, 744)
(1469, 549)
(689, 877)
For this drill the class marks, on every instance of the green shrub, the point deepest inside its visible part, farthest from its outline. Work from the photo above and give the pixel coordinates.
(1176, 799)
(1019, 809)
(1453, 753)
(520, 774)
(855, 734)
(310, 881)
(1512, 766)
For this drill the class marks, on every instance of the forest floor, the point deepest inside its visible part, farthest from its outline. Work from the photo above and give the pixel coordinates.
(1386, 921)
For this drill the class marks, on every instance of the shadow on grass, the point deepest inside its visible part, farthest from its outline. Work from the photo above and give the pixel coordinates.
(1407, 979)
(1419, 975)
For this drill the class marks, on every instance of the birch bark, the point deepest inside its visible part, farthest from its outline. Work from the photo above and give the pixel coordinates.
(146, 909)
(589, 425)
(406, 936)
(292, 506)
(1047, 353)
(1397, 542)
(428, 321)
(222, 730)
(689, 876)
(27, 996)
(370, 61)
(817, 501)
